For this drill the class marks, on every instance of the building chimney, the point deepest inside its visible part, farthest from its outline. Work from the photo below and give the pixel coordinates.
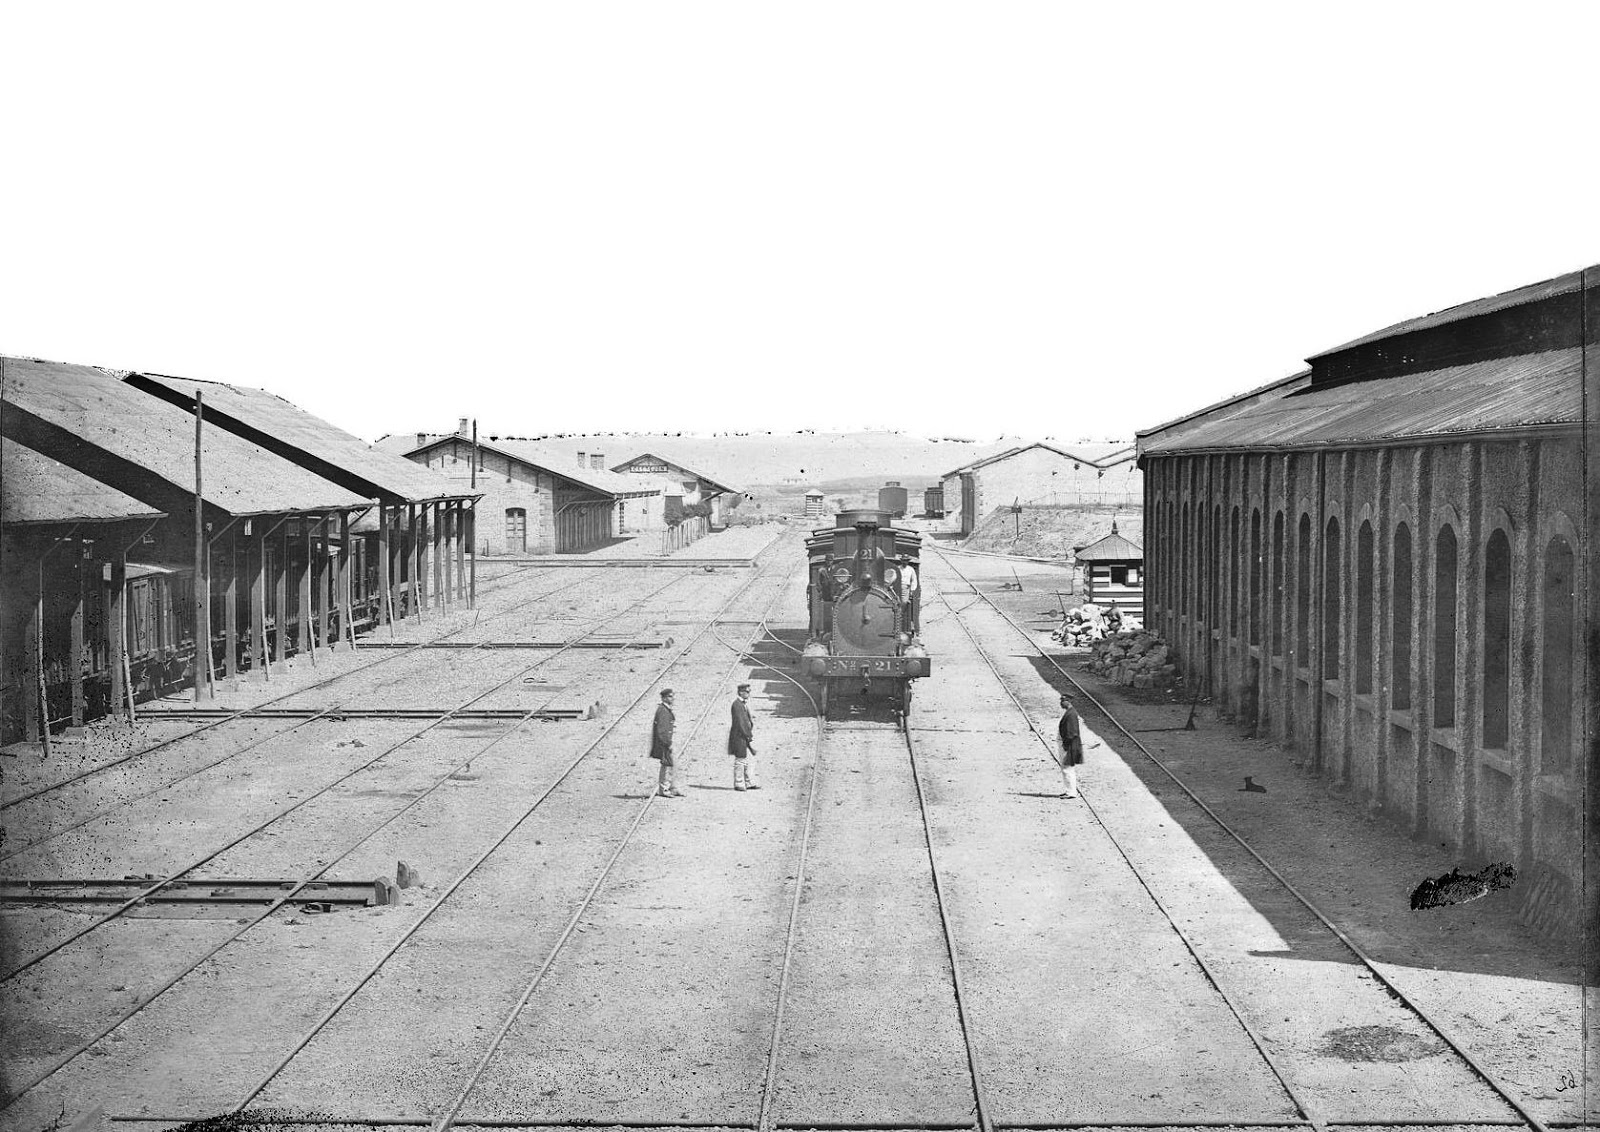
(461, 429)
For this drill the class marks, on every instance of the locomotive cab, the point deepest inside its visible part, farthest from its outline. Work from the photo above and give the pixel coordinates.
(865, 605)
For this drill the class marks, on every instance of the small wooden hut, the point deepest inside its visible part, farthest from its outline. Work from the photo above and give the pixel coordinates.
(1113, 571)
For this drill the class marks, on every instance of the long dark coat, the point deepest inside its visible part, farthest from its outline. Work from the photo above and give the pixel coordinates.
(661, 734)
(740, 734)
(1070, 750)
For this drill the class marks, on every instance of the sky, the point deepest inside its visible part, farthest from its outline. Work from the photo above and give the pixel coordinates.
(970, 220)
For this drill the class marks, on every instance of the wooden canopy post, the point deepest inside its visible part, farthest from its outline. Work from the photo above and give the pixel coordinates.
(306, 638)
(449, 552)
(423, 592)
(461, 550)
(75, 662)
(259, 657)
(472, 563)
(384, 595)
(230, 612)
(437, 555)
(346, 591)
(202, 638)
(414, 589)
(325, 589)
(33, 667)
(280, 593)
(117, 634)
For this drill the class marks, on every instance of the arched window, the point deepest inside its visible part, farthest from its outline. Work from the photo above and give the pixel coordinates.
(1555, 719)
(1234, 568)
(1364, 568)
(1218, 567)
(1332, 597)
(1277, 613)
(1497, 641)
(1255, 577)
(1444, 628)
(1302, 582)
(1185, 563)
(1400, 627)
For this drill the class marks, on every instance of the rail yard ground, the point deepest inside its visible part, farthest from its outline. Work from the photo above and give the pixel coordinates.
(898, 930)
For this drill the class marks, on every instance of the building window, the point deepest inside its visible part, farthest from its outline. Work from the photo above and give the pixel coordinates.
(1332, 601)
(1233, 573)
(1276, 614)
(1218, 567)
(1444, 628)
(1555, 717)
(597, 460)
(1185, 562)
(1255, 577)
(1364, 595)
(1400, 626)
(1497, 641)
(1302, 585)
(1119, 575)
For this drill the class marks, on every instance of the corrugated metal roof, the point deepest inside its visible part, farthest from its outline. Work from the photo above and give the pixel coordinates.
(1532, 293)
(1506, 393)
(108, 429)
(1111, 548)
(358, 466)
(41, 490)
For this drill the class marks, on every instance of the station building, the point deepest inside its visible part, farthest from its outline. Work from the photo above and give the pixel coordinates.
(1040, 474)
(536, 501)
(684, 488)
(1383, 561)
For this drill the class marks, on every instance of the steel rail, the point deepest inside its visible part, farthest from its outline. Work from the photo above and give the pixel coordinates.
(157, 886)
(974, 1066)
(289, 895)
(231, 717)
(447, 1119)
(1527, 1117)
(1302, 1105)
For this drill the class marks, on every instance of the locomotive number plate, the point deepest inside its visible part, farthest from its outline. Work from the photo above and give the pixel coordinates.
(878, 666)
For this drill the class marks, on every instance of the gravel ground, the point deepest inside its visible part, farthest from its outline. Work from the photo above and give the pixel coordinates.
(1083, 1001)
(1508, 995)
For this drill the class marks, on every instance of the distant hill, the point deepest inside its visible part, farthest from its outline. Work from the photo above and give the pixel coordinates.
(764, 460)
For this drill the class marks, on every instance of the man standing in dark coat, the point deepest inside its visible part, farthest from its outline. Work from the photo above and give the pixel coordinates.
(661, 745)
(1069, 747)
(739, 735)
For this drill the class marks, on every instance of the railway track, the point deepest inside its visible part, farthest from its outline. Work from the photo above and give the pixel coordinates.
(264, 711)
(1311, 1113)
(288, 895)
(228, 717)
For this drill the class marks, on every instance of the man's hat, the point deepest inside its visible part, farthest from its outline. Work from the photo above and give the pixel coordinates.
(743, 688)
(665, 692)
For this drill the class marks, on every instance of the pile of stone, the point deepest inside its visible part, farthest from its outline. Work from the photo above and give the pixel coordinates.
(1086, 624)
(1138, 658)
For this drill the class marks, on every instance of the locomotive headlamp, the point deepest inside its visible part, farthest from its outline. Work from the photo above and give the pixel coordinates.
(890, 575)
(841, 574)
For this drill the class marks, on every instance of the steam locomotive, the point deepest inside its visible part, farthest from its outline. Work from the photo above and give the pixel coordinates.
(865, 597)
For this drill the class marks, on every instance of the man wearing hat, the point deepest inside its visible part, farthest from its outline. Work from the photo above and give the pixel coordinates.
(661, 745)
(739, 741)
(1069, 746)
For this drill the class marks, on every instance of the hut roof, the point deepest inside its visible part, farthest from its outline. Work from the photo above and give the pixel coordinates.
(309, 441)
(107, 429)
(1112, 548)
(41, 490)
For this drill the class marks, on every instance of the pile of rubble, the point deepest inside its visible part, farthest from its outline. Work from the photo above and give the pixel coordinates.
(1138, 658)
(1086, 624)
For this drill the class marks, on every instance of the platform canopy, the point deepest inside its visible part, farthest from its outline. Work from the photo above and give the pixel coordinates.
(40, 491)
(268, 420)
(99, 425)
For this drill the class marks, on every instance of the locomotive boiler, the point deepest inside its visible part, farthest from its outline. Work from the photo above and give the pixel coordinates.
(865, 598)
